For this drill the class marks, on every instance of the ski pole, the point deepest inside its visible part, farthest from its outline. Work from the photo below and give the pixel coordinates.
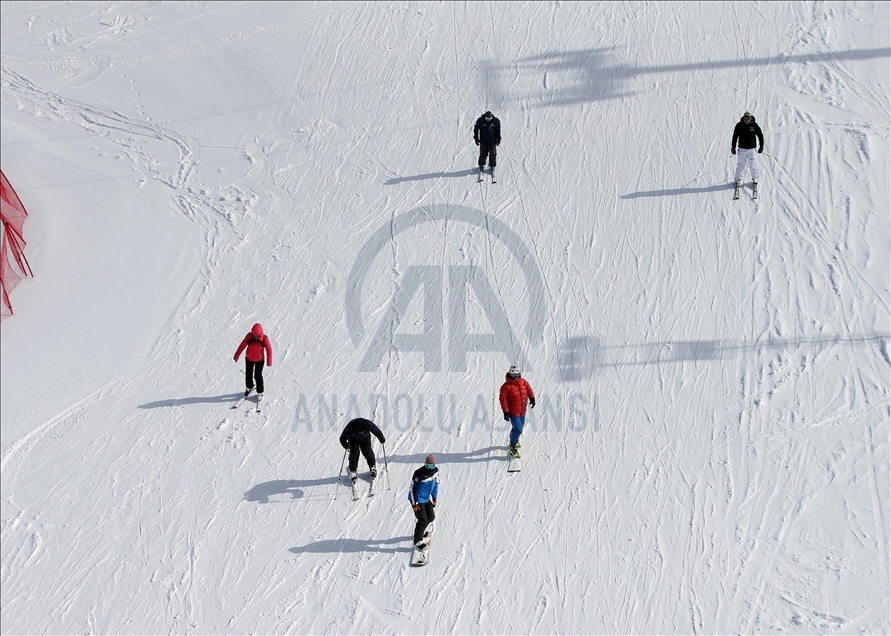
(340, 474)
(386, 466)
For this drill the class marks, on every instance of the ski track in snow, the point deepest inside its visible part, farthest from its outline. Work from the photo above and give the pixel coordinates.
(732, 471)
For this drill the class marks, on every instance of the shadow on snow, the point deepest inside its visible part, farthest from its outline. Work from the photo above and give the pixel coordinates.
(210, 399)
(355, 545)
(678, 191)
(293, 488)
(432, 175)
(587, 75)
(279, 490)
(480, 455)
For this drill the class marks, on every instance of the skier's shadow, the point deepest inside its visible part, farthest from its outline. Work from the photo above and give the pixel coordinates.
(281, 490)
(670, 193)
(355, 545)
(469, 457)
(210, 399)
(432, 175)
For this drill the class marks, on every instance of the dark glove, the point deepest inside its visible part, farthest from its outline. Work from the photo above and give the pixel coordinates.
(760, 150)
(476, 141)
(532, 403)
(498, 143)
(345, 445)
(506, 417)
(416, 507)
(733, 151)
(383, 441)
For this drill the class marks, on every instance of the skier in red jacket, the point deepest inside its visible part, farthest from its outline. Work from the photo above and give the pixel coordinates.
(515, 393)
(257, 344)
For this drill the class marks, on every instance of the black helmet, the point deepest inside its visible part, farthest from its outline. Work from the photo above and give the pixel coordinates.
(488, 114)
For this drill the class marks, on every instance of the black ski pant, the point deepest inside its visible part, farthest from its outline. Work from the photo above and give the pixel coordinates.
(487, 150)
(425, 516)
(253, 372)
(363, 445)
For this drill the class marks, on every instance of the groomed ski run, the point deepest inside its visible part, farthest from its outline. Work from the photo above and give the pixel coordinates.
(713, 377)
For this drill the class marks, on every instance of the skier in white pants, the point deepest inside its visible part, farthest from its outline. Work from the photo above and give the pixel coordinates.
(747, 134)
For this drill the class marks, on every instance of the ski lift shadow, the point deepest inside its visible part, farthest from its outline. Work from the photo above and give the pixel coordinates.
(580, 76)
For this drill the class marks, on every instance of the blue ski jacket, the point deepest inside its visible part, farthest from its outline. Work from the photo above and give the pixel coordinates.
(424, 485)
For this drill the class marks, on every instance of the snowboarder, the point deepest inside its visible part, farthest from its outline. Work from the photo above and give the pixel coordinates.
(515, 393)
(357, 437)
(487, 135)
(257, 344)
(748, 134)
(422, 496)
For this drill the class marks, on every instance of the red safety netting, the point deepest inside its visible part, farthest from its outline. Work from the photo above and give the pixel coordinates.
(12, 215)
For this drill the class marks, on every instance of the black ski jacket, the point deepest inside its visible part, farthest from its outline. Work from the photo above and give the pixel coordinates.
(359, 429)
(746, 135)
(487, 132)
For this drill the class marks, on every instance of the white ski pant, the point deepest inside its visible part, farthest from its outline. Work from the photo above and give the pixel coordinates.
(747, 157)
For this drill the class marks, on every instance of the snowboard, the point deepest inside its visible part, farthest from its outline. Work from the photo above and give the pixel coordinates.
(419, 558)
(514, 464)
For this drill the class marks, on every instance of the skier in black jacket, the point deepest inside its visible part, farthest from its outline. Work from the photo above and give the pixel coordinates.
(748, 135)
(487, 135)
(357, 437)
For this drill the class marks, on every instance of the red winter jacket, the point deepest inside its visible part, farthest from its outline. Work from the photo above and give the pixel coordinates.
(256, 342)
(515, 395)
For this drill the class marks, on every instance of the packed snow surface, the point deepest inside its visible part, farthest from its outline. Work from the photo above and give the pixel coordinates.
(709, 452)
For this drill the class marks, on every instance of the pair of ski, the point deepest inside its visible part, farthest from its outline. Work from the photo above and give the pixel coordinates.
(491, 173)
(245, 396)
(419, 558)
(354, 484)
(736, 187)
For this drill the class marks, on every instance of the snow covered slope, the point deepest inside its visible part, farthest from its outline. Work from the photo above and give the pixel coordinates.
(710, 448)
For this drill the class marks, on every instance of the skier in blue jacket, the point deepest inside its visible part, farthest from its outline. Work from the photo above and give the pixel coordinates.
(422, 496)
